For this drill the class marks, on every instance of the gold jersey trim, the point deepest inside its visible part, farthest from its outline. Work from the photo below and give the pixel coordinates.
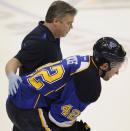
(43, 121)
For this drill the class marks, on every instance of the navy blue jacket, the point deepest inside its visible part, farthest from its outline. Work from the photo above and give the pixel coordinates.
(38, 47)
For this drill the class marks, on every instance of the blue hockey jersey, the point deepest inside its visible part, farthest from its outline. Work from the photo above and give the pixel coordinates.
(65, 87)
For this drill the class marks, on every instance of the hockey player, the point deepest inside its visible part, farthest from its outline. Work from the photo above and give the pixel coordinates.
(64, 89)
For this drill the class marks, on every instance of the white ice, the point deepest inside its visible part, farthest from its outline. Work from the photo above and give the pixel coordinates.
(95, 19)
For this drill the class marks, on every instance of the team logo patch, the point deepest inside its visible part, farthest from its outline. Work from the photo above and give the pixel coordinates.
(112, 45)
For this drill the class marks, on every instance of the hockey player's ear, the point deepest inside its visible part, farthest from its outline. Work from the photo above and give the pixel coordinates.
(104, 66)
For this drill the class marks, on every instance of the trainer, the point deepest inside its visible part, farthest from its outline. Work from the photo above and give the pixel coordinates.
(42, 44)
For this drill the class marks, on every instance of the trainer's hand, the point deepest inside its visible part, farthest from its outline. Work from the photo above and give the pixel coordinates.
(13, 83)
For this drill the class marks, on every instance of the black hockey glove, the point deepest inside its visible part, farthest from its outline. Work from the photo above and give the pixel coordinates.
(78, 126)
(82, 126)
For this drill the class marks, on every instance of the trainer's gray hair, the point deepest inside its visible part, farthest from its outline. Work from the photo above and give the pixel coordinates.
(59, 9)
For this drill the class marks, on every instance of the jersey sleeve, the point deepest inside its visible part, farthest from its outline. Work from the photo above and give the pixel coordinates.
(65, 110)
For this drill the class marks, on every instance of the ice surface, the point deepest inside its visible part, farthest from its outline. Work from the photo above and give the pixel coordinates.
(95, 19)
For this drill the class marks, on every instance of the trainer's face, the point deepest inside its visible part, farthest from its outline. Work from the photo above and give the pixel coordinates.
(114, 71)
(63, 26)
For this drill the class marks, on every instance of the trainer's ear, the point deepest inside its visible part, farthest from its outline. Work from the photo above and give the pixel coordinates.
(55, 21)
(104, 66)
